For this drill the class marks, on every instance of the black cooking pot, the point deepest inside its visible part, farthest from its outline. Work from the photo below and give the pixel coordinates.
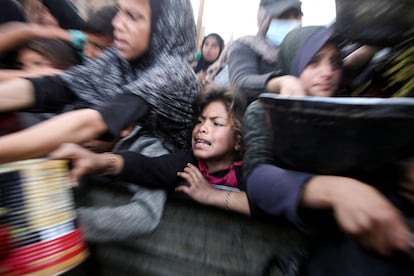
(376, 22)
(341, 136)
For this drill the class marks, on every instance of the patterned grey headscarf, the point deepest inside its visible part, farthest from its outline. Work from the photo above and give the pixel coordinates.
(162, 77)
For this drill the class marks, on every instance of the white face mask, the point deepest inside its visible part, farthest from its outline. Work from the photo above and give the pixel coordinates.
(279, 28)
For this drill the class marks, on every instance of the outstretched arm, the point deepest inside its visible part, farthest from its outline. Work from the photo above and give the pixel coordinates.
(40, 72)
(360, 210)
(85, 161)
(16, 94)
(359, 58)
(73, 127)
(13, 34)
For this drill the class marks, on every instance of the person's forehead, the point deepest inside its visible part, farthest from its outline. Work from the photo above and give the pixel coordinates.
(211, 39)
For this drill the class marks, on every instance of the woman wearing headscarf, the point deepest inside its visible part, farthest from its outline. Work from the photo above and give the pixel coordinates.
(252, 60)
(361, 230)
(211, 48)
(144, 80)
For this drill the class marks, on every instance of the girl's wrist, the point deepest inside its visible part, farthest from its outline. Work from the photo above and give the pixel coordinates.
(227, 200)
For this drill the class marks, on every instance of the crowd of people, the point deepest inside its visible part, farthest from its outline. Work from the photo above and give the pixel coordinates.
(124, 100)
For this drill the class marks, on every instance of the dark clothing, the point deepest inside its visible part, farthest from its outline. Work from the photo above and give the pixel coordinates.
(169, 96)
(278, 192)
(249, 71)
(11, 11)
(202, 65)
(270, 189)
(161, 172)
(65, 13)
(51, 94)
(9, 123)
(334, 253)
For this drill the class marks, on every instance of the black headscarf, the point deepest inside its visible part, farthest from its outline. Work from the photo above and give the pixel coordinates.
(10, 10)
(162, 77)
(202, 64)
(65, 13)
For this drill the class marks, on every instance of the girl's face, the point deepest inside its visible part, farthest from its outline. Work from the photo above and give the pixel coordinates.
(213, 138)
(322, 75)
(211, 49)
(95, 45)
(30, 60)
(132, 28)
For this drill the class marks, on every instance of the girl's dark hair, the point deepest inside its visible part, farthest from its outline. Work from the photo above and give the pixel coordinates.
(60, 54)
(232, 99)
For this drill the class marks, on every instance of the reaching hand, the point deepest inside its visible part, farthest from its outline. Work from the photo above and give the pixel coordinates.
(372, 220)
(286, 85)
(83, 160)
(199, 188)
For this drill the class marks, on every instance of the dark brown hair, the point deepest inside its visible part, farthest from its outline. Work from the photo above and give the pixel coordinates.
(60, 54)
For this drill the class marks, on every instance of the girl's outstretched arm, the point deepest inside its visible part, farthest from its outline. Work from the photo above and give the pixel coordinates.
(201, 191)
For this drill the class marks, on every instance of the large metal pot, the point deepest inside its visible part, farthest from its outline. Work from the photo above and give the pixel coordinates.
(377, 22)
(340, 136)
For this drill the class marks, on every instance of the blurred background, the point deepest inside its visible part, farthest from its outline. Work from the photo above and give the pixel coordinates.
(235, 18)
(232, 18)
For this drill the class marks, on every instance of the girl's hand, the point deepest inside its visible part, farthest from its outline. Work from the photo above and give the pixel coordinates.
(83, 160)
(203, 192)
(199, 188)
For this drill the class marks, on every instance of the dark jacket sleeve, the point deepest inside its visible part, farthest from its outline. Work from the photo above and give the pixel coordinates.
(155, 172)
(248, 71)
(51, 94)
(122, 111)
(277, 192)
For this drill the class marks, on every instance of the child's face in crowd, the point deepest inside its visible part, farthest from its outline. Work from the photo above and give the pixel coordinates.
(211, 49)
(95, 45)
(30, 60)
(132, 28)
(214, 136)
(322, 75)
